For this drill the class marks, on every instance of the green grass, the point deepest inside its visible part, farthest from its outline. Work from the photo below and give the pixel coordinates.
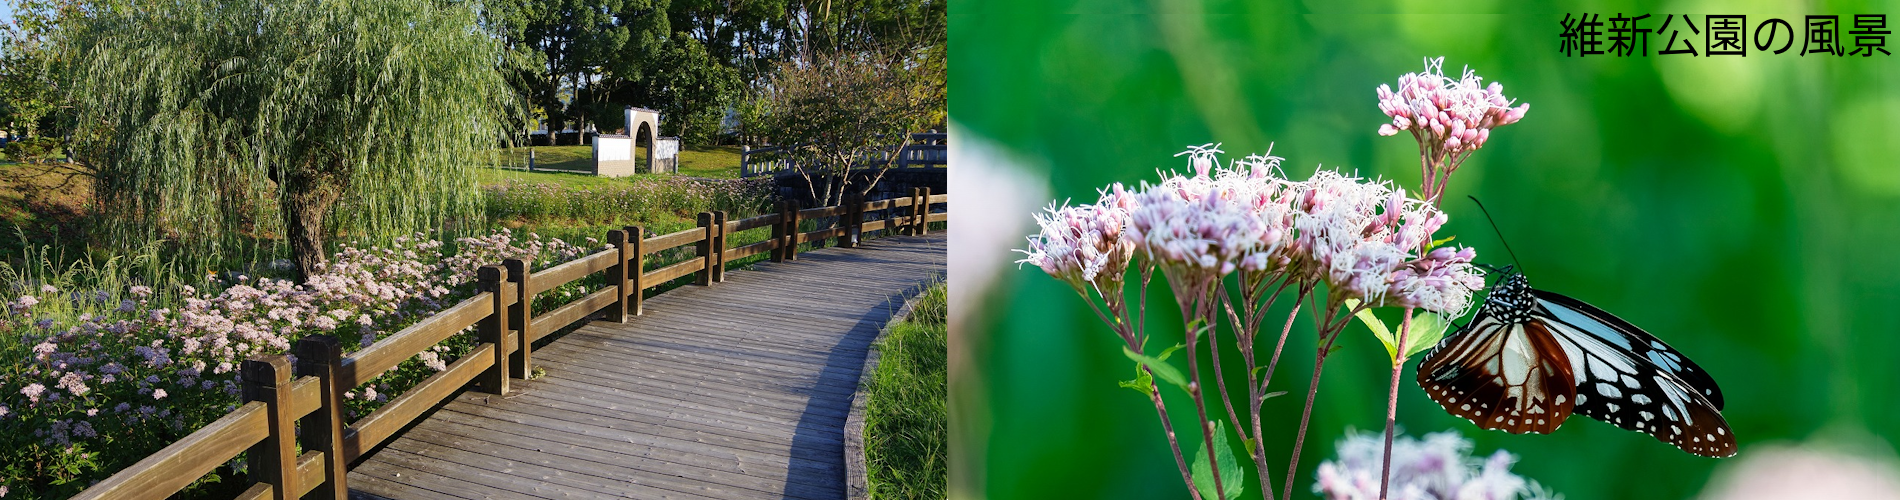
(907, 418)
(695, 161)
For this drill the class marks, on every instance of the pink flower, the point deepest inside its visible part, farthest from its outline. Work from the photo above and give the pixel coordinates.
(158, 394)
(33, 391)
(74, 383)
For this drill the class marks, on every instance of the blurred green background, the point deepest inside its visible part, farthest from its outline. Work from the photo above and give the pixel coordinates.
(1744, 209)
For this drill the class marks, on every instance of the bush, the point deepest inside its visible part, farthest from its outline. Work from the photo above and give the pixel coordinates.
(35, 150)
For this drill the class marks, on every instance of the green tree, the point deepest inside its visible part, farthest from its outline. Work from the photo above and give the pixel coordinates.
(848, 111)
(203, 119)
(30, 64)
(577, 50)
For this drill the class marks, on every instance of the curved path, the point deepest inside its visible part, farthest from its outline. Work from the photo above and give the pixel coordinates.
(734, 391)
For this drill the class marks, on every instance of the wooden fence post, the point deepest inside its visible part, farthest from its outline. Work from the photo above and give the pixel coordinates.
(617, 275)
(273, 461)
(923, 212)
(778, 235)
(321, 356)
(494, 328)
(719, 247)
(847, 220)
(521, 318)
(916, 210)
(704, 248)
(636, 269)
(791, 230)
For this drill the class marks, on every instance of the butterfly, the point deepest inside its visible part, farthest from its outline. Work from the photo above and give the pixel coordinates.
(1530, 358)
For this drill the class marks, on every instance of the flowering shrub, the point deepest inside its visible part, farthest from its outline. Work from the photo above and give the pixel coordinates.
(95, 380)
(1232, 239)
(1439, 467)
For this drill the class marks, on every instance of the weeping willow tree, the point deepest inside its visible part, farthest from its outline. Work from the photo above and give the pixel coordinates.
(208, 121)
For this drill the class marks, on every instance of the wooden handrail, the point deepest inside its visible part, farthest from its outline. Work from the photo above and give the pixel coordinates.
(284, 412)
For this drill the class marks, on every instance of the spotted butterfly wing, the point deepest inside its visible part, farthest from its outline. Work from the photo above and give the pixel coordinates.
(1632, 380)
(1502, 375)
(1530, 358)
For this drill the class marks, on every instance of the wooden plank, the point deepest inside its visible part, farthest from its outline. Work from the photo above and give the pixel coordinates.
(752, 223)
(481, 442)
(183, 462)
(939, 198)
(760, 374)
(937, 217)
(372, 361)
(815, 428)
(671, 240)
(496, 483)
(750, 250)
(644, 418)
(821, 234)
(734, 391)
(672, 272)
(374, 473)
(554, 277)
(822, 212)
(703, 402)
(574, 311)
(795, 399)
(370, 431)
(578, 430)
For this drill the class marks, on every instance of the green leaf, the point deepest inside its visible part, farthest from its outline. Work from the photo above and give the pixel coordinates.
(1231, 483)
(1143, 383)
(1160, 368)
(1169, 351)
(1427, 329)
(1436, 243)
(1271, 395)
(1378, 328)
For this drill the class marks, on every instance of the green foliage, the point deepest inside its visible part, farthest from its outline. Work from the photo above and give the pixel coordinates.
(1232, 482)
(568, 55)
(845, 111)
(33, 150)
(1158, 365)
(1426, 330)
(208, 119)
(30, 64)
(906, 424)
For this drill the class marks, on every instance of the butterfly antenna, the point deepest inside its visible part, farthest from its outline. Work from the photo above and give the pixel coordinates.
(1500, 233)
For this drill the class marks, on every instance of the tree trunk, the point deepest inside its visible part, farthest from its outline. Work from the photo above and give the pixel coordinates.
(306, 201)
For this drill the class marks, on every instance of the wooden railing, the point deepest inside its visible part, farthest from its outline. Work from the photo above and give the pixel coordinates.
(926, 149)
(282, 410)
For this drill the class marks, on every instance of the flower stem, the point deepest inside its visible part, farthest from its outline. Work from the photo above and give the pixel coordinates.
(1194, 389)
(1187, 476)
(1327, 335)
(1392, 401)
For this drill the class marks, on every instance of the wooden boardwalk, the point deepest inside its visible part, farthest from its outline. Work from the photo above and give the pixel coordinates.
(734, 391)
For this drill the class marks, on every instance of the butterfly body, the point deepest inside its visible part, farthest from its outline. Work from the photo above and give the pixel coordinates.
(1531, 358)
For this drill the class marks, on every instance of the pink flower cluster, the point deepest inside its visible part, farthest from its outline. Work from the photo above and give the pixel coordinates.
(1452, 116)
(1084, 244)
(1437, 467)
(1364, 239)
(160, 362)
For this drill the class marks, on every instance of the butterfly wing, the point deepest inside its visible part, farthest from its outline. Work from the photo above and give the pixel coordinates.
(1623, 387)
(1508, 376)
(1641, 345)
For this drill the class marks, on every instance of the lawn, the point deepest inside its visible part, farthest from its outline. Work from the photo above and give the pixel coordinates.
(695, 161)
(906, 421)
